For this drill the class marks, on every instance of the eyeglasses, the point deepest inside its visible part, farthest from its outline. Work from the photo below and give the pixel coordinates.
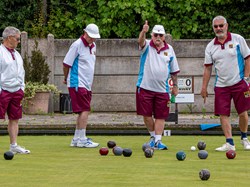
(155, 35)
(220, 25)
(17, 38)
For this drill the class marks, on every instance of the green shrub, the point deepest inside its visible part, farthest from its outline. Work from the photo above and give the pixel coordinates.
(37, 74)
(32, 87)
(37, 69)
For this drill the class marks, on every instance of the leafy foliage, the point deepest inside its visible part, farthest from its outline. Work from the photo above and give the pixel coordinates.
(17, 13)
(37, 70)
(124, 18)
(70, 17)
(32, 87)
(36, 75)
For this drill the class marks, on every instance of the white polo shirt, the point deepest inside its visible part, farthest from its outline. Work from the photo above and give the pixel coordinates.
(81, 59)
(156, 67)
(228, 59)
(11, 70)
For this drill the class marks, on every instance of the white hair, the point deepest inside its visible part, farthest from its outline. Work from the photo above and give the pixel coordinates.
(219, 18)
(10, 31)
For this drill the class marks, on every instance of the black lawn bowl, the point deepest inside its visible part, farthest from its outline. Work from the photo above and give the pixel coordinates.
(111, 144)
(127, 152)
(8, 155)
(149, 152)
(201, 145)
(204, 174)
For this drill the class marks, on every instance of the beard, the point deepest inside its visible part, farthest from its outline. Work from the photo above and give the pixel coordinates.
(158, 42)
(220, 34)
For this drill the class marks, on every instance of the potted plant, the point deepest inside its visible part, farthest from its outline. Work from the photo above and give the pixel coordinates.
(37, 90)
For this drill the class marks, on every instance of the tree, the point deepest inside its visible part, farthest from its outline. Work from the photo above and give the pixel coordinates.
(124, 18)
(17, 13)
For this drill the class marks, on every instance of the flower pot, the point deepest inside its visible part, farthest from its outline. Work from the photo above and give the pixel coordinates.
(38, 104)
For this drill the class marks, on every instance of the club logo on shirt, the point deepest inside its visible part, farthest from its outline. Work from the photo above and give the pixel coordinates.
(231, 45)
(166, 53)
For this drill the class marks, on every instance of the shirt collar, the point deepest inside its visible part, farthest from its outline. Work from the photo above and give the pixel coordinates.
(86, 44)
(229, 38)
(162, 49)
(10, 50)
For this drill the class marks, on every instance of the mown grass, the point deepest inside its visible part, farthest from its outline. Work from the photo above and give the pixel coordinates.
(53, 163)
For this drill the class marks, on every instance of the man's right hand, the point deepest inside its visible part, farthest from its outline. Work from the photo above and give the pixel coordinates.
(142, 35)
(145, 27)
(204, 94)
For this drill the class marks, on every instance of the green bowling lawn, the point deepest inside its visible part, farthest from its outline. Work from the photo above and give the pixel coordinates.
(53, 163)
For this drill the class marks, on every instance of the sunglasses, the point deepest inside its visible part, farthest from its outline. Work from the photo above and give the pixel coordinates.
(220, 25)
(155, 35)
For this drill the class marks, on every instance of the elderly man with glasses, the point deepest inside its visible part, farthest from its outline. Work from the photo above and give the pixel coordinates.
(157, 63)
(11, 85)
(229, 54)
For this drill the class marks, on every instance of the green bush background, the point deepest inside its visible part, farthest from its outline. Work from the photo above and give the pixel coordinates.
(183, 19)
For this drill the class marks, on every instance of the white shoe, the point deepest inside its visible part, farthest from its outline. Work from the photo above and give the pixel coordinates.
(74, 142)
(88, 143)
(245, 143)
(19, 149)
(225, 147)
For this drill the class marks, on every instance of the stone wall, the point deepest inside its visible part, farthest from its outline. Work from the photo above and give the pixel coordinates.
(117, 67)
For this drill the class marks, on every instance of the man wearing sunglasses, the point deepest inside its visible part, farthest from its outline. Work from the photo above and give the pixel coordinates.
(11, 85)
(230, 56)
(157, 63)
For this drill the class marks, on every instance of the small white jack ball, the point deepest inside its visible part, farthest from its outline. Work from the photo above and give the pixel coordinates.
(193, 148)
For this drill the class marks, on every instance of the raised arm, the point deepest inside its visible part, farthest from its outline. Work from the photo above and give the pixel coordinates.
(142, 35)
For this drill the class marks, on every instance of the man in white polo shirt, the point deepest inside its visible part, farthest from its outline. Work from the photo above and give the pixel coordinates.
(78, 68)
(157, 63)
(230, 56)
(11, 85)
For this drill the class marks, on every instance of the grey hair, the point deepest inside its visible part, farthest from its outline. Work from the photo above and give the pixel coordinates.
(10, 31)
(219, 18)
